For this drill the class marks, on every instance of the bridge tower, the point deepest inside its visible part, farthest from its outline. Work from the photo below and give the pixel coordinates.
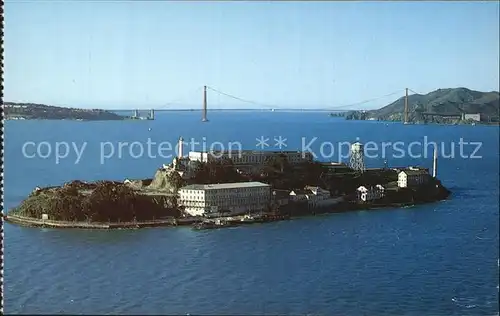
(356, 160)
(204, 110)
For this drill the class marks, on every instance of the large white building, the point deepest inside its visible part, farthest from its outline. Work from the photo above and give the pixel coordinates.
(250, 157)
(230, 198)
(412, 177)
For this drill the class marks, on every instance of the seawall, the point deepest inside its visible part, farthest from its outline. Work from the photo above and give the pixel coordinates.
(27, 221)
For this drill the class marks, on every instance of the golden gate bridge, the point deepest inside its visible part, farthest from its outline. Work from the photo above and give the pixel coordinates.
(176, 106)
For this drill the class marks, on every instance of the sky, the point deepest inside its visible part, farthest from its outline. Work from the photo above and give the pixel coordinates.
(159, 54)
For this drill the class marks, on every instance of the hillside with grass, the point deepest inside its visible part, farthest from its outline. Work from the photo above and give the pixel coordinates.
(454, 101)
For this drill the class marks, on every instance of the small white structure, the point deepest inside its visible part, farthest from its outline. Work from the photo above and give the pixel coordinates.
(45, 217)
(315, 196)
(183, 166)
(473, 117)
(281, 197)
(233, 198)
(318, 193)
(200, 156)
(380, 188)
(300, 195)
(412, 178)
(371, 194)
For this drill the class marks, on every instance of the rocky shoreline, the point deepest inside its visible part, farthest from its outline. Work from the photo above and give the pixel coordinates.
(291, 211)
(154, 202)
(98, 202)
(32, 222)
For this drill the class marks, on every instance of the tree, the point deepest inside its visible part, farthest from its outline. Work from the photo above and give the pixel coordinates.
(277, 163)
(218, 171)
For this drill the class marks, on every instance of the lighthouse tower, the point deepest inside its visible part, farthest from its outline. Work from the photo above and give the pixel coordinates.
(180, 149)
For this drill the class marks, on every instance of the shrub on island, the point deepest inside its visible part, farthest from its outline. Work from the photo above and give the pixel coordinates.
(103, 201)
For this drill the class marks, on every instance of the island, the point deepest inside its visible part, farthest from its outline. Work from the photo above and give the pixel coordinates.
(32, 111)
(442, 106)
(220, 189)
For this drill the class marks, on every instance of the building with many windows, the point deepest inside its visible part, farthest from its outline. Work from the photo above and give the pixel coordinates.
(250, 157)
(412, 177)
(229, 198)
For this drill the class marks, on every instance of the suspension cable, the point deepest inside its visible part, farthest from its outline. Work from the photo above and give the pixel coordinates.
(278, 107)
(242, 100)
(366, 101)
(176, 101)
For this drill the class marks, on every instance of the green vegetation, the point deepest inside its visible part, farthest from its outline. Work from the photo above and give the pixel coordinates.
(455, 102)
(107, 201)
(31, 111)
(167, 181)
(356, 115)
(276, 171)
(219, 171)
(102, 201)
(280, 174)
(338, 114)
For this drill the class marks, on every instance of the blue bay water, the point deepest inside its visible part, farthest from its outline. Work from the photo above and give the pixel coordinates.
(438, 259)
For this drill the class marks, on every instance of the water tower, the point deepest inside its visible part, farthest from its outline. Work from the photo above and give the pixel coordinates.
(357, 161)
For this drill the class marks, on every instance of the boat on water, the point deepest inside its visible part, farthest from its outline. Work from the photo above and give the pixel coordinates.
(214, 224)
(264, 218)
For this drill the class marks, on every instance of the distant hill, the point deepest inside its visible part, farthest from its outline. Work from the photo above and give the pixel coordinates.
(441, 101)
(32, 111)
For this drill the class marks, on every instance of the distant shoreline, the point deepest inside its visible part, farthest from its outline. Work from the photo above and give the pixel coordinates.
(29, 111)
